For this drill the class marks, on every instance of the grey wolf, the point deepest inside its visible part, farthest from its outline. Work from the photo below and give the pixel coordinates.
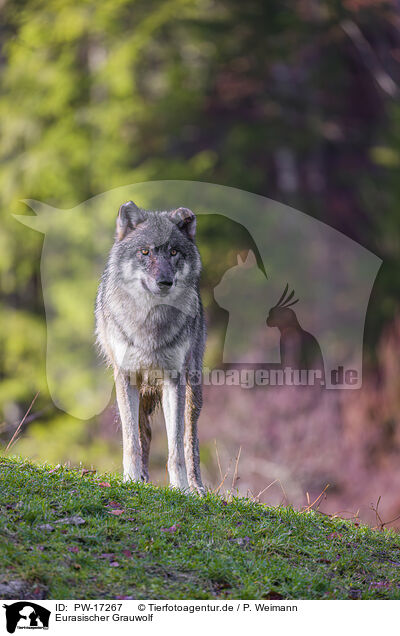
(150, 326)
(299, 349)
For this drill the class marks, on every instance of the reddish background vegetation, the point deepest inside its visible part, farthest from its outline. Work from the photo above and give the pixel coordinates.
(306, 439)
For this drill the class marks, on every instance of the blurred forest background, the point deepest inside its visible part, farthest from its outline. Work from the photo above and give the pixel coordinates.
(297, 101)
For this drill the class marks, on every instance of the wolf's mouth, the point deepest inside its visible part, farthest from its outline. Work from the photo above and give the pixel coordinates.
(157, 291)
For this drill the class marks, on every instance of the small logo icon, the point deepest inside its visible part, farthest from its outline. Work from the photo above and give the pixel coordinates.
(26, 615)
(299, 349)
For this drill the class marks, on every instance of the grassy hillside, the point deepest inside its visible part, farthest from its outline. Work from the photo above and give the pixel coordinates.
(65, 535)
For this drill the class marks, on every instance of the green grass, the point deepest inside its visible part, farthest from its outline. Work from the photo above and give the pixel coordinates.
(170, 545)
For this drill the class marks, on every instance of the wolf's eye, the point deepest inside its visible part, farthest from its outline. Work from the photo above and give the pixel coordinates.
(173, 252)
(145, 252)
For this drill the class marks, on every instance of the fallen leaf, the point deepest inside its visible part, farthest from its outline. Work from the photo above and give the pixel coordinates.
(54, 469)
(114, 564)
(104, 484)
(116, 512)
(107, 555)
(77, 566)
(127, 553)
(37, 592)
(274, 596)
(73, 548)
(334, 535)
(173, 528)
(125, 598)
(114, 504)
(11, 506)
(378, 584)
(75, 520)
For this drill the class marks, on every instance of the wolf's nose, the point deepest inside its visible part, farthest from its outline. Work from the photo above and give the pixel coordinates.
(164, 283)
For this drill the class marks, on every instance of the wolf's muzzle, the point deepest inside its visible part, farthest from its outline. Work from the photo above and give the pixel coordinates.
(164, 283)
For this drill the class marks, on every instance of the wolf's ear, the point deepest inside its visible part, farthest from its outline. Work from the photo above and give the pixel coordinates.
(129, 217)
(185, 219)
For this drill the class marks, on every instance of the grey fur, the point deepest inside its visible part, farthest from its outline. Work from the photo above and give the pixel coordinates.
(150, 328)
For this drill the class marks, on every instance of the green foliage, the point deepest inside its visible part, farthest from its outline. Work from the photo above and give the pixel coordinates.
(67, 439)
(91, 98)
(165, 544)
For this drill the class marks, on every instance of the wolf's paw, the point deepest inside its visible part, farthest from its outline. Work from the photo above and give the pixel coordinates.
(128, 478)
(198, 489)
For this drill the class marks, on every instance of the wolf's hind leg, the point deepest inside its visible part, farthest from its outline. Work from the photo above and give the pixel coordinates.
(173, 403)
(193, 405)
(128, 406)
(145, 438)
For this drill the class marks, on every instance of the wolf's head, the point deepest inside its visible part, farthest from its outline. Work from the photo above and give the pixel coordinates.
(155, 252)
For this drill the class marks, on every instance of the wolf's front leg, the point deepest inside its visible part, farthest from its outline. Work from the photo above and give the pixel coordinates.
(128, 405)
(145, 440)
(193, 405)
(173, 402)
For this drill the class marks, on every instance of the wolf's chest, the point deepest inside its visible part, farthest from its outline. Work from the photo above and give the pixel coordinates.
(139, 355)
